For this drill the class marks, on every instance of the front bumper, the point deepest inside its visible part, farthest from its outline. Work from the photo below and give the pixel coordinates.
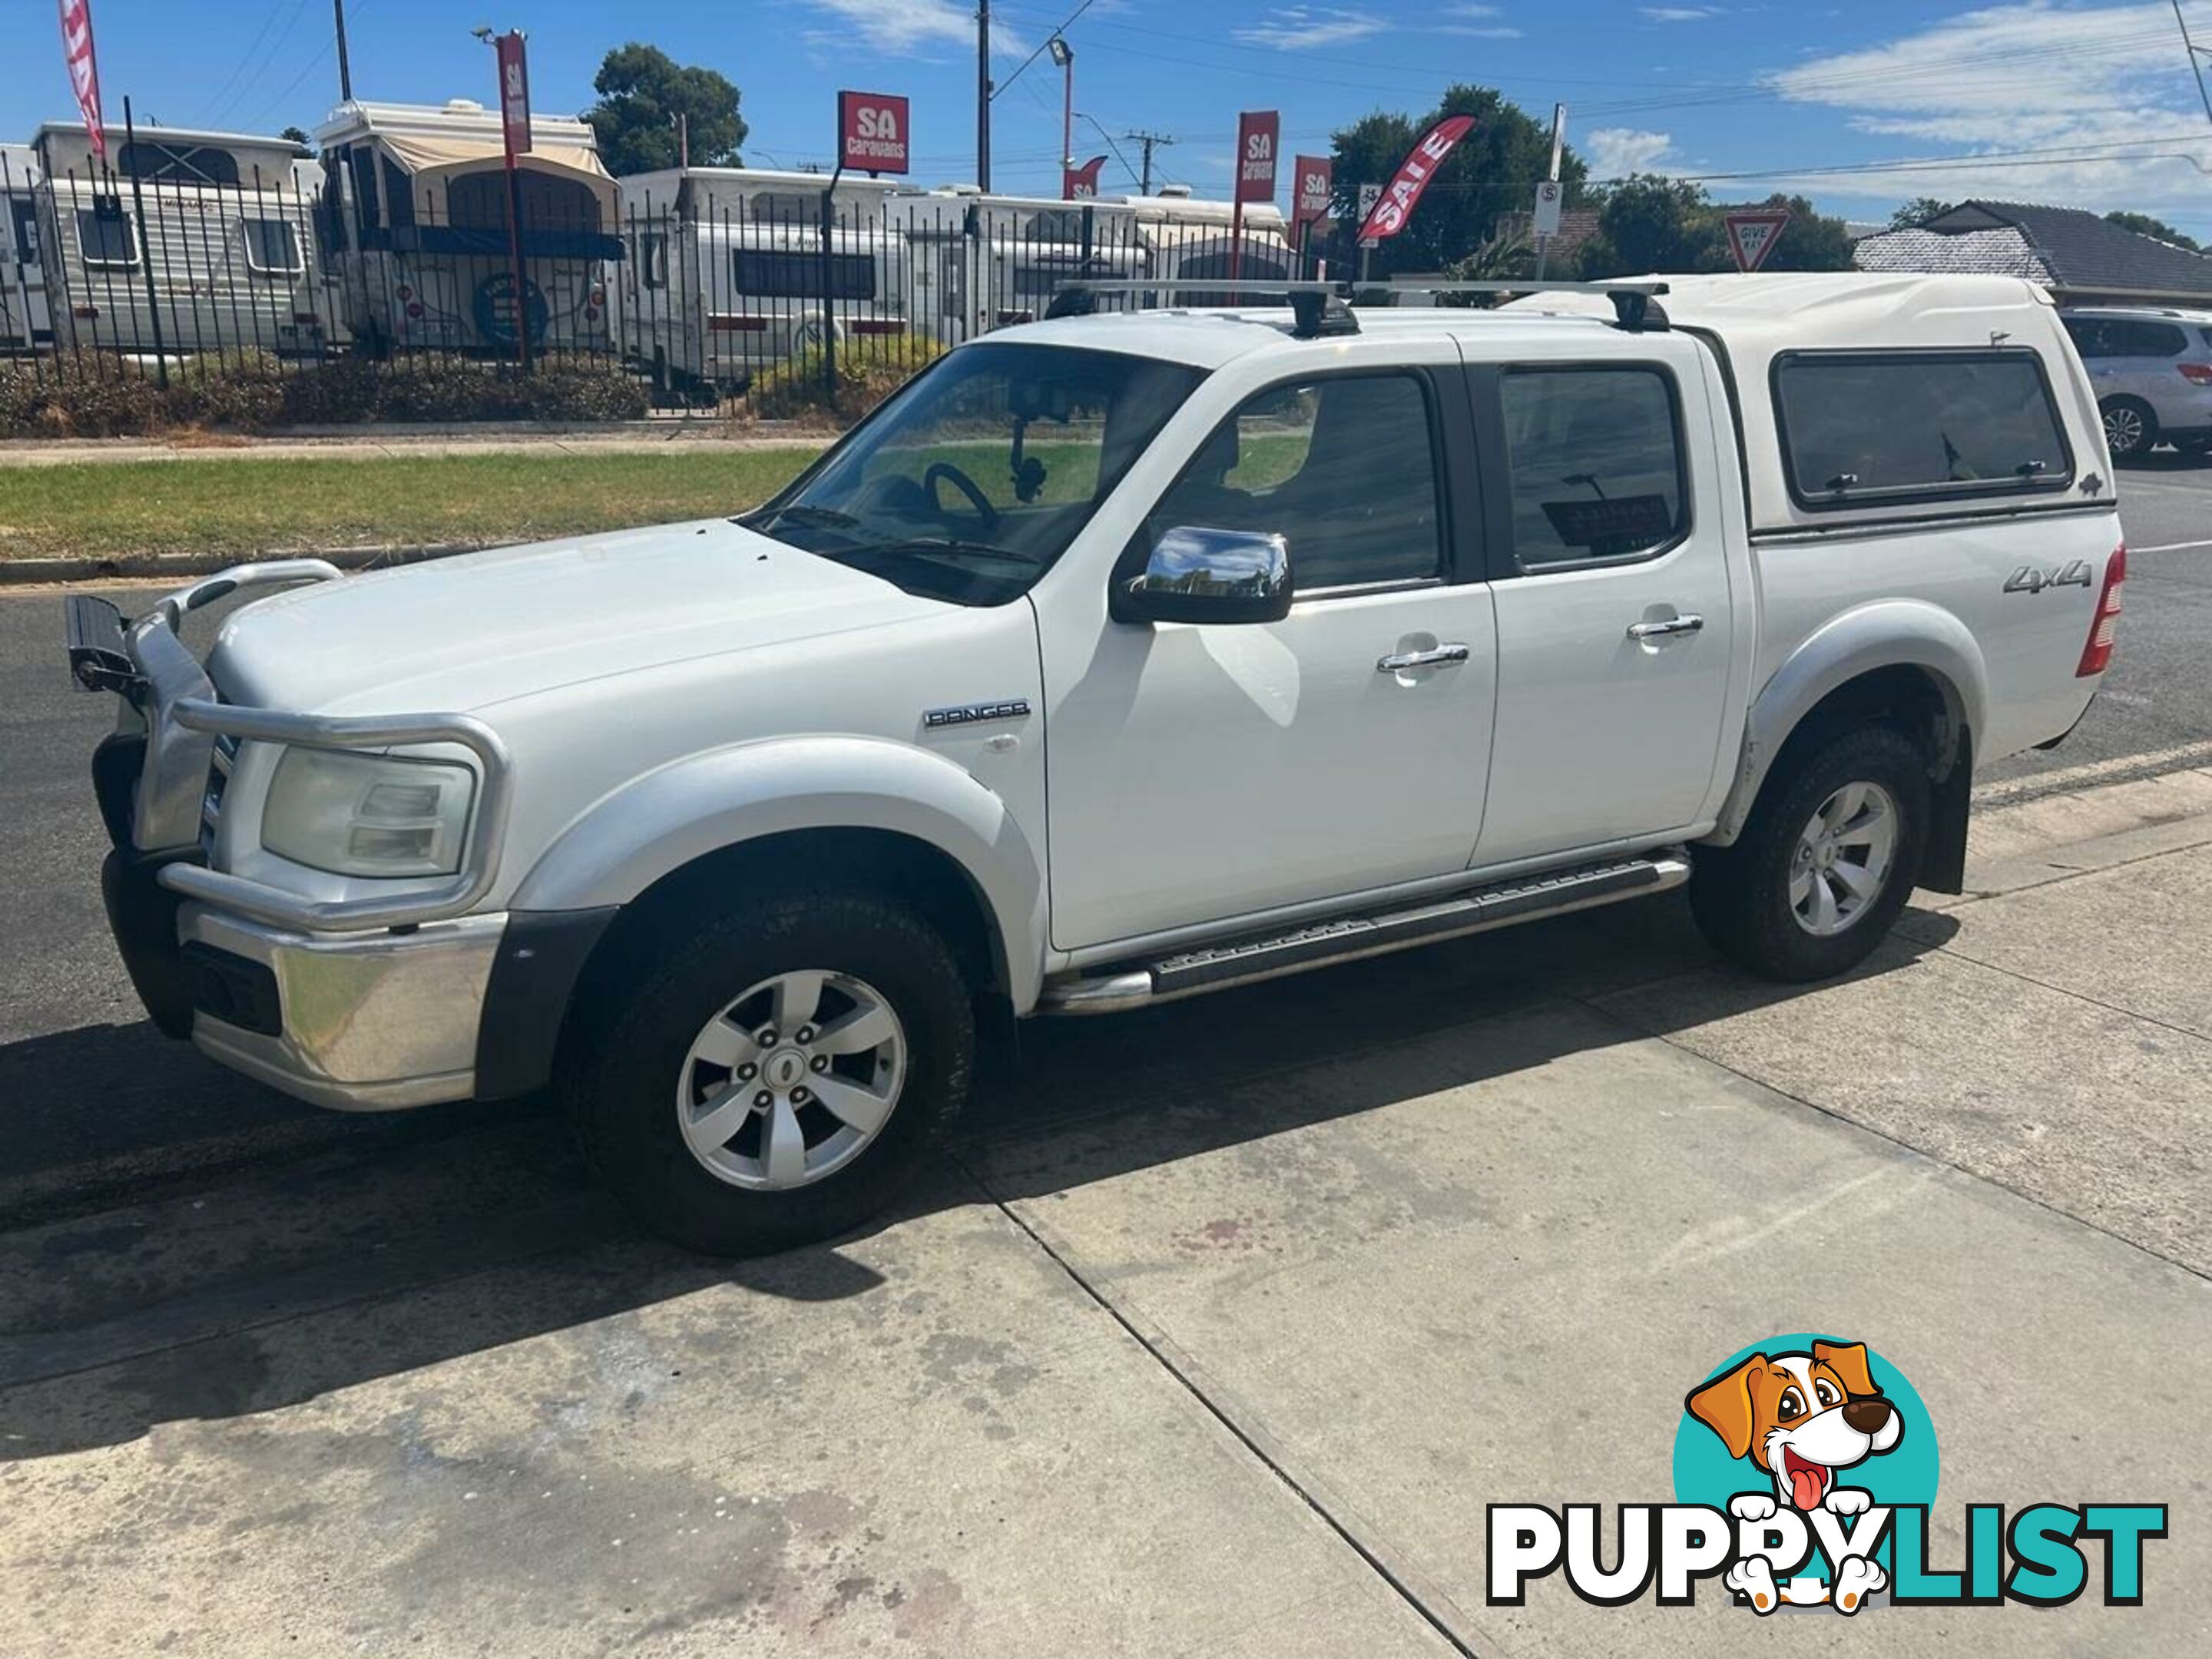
(361, 1022)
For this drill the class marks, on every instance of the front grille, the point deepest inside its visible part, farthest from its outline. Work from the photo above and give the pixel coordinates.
(226, 755)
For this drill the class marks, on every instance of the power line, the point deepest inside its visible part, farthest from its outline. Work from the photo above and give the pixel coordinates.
(1039, 53)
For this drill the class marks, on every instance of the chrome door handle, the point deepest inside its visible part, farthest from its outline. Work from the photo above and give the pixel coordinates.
(1660, 630)
(1406, 659)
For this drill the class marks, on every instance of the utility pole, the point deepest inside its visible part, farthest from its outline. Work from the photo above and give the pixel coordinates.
(983, 95)
(345, 64)
(1147, 139)
(2195, 52)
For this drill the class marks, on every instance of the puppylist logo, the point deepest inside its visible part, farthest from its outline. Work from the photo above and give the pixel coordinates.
(1805, 1470)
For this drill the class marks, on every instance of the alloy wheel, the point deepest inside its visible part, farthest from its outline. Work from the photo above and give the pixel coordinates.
(791, 1080)
(1844, 858)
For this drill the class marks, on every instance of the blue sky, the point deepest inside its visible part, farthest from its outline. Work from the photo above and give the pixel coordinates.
(2079, 101)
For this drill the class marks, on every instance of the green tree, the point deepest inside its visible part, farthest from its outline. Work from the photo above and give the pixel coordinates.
(1650, 223)
(294, 134)
(2143, 225)
(1492, 171)
(1917, 212)
(642, 91)
(1810, 241)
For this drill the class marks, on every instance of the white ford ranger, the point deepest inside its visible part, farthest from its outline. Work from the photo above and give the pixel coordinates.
(1119, 657)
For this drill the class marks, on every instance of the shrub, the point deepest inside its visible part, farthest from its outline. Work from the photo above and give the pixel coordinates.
(250, 391)
(870, 367)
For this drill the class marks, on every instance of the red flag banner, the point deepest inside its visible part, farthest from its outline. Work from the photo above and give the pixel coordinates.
(83, 69)
(1396, 203)
(1081, 184)
(514, 93)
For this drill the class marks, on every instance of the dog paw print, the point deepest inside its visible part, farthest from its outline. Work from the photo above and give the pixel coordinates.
(1847, 1500)
(1751, 1506)
(1753, 1577)
(1855, 1580)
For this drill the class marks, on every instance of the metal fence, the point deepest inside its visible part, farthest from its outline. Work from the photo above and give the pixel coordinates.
(709, 293)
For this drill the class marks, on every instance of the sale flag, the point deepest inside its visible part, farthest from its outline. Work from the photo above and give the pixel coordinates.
(1395, 206)
(83, 69)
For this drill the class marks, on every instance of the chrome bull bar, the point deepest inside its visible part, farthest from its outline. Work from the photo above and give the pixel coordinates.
(182, 719)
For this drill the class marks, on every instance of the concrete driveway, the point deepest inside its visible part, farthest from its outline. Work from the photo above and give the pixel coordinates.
(1217, 1340)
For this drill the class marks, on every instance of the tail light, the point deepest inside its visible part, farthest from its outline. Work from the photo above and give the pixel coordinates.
(88, 313)
(2196, 373)
(2097, 655)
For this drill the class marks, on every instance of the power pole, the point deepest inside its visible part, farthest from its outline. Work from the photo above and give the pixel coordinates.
(345, 66)
(1147, 139)
(2194, 51)
(984, 94)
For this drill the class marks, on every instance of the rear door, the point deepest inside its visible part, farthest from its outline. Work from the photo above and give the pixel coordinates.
(1615, 618)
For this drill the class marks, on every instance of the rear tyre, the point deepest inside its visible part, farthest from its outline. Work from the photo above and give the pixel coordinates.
(1825, 863)
(779, 1073)
(2131, 429)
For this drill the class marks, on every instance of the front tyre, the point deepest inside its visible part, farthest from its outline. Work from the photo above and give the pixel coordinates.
(780, 1073)
(1825, 863)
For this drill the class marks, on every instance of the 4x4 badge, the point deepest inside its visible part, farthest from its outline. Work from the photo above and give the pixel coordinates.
(2029, 579)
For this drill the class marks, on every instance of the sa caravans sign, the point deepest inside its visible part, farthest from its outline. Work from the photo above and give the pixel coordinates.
(1312, 176)
(1258, 136)
(872, 131)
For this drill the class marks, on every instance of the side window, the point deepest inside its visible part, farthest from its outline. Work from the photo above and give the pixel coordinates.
(2147, 340)
(653, 259)
(272, 247)
(106, 240)
(1861, 424)
(1596, 464)
(2092, 337)
(1342, 468)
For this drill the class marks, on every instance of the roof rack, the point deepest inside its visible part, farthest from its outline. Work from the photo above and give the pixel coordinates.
(1320, 309)
(1633, 306)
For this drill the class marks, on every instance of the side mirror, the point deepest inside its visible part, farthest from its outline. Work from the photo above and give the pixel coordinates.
(1194, 575)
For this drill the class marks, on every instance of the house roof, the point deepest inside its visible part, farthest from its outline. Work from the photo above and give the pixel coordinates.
(2067, 249)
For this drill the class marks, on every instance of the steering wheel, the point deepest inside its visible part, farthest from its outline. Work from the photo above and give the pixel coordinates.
(967, 486)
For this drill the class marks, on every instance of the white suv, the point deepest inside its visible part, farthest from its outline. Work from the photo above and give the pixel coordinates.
(2152, 375)
(1118, 658)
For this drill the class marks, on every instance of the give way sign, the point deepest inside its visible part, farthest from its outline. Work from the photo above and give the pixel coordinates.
(1752, 235)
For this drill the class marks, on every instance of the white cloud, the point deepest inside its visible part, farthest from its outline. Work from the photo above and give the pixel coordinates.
(1473, 24)
(906, 25)
(1678, 14)
(2032, 76)
(1616, 152)
(1302, 29)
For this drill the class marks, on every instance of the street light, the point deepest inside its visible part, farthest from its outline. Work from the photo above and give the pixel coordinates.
(1063, 56)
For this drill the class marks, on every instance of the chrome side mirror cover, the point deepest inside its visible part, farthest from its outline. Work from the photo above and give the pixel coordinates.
(1197, 574)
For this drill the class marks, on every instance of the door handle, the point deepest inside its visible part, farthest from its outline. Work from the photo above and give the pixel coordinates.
(1660, 630)
(1406, 659)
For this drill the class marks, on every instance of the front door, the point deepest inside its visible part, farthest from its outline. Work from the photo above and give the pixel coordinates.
(1614, 628)
(1204, 772)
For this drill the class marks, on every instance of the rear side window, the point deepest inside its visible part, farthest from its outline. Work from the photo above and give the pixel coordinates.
(1596, 456)
(1863, 425)
(2126, 336)
(772, 276)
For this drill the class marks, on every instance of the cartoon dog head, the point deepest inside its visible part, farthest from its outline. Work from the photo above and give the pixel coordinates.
(1800, 1417)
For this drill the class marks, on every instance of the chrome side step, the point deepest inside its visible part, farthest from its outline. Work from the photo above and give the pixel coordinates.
(1347, 939)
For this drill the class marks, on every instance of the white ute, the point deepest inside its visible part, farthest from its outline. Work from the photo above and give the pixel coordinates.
(1119, 657)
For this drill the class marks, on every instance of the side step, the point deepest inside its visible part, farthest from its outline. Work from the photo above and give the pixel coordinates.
(1347, 939)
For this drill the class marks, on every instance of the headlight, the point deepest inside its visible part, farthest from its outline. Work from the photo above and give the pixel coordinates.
(367, 815)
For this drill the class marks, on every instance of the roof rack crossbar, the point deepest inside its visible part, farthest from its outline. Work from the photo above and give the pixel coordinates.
(1320, 306)
(1636, 309)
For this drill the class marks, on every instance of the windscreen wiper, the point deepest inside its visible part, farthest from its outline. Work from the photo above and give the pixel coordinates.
(955, 548)
(824, 517)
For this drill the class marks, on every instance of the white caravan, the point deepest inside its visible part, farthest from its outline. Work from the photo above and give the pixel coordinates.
(416, 201)
(724, 274)
(186, 242)
(24, 322)
(1189, 240)
(981, 261)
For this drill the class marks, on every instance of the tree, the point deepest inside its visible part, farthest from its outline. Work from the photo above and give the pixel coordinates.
(2143, 225)
(1652, 223)
(294, 134)
(1490, 173)
(642, 91)
(1917, 212)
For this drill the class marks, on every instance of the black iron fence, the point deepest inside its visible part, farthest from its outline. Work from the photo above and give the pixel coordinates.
(707, 293)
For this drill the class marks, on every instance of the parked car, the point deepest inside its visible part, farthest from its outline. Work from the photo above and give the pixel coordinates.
(2152, 375)
(1349, 631)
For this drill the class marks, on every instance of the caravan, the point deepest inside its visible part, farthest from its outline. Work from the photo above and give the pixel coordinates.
(984, 262)
(729, 271)
(1185, 240)
(415, 204)
(188, 242)
(25, 323)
